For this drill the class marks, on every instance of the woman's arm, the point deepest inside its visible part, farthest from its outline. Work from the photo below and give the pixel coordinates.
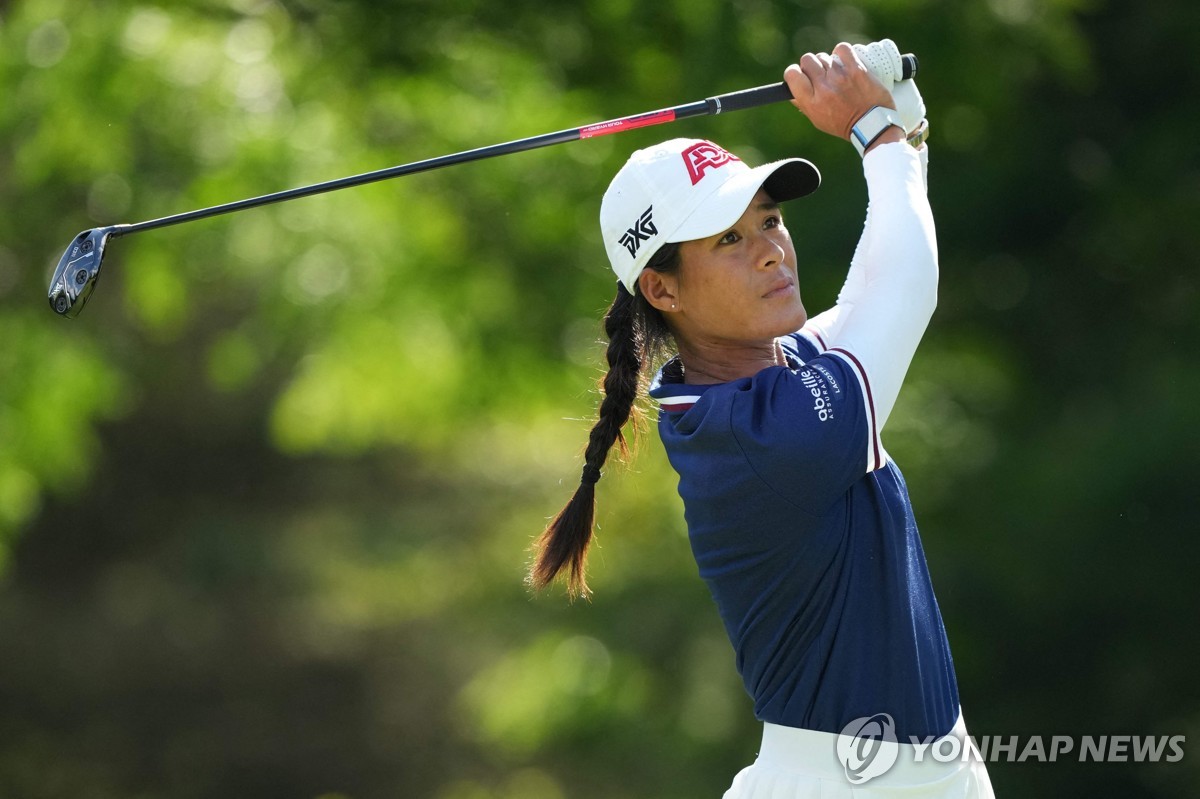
(895, 291)
(891, 290)
(826, 326)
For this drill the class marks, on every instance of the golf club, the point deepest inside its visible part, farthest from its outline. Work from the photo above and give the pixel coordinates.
(78, 269)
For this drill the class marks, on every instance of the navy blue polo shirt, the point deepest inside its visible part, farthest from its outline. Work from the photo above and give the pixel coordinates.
(802, 528)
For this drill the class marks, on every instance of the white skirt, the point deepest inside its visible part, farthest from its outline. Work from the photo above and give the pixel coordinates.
(805, 764)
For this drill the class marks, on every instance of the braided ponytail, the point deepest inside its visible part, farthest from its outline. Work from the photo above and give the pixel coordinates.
(636, 334)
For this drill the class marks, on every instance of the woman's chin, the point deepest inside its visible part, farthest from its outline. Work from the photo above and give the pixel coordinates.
(790, 321)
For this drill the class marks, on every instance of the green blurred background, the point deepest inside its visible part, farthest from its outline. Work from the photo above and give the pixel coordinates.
(265, 506)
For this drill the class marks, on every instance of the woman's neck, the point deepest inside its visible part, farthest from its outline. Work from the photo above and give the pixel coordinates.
(721, 364)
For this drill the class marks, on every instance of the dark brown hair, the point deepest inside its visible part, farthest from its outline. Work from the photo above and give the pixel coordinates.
(637, 336)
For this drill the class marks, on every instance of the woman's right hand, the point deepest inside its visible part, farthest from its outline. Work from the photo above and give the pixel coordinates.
(834, 91)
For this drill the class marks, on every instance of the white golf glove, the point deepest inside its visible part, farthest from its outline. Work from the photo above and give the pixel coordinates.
(883, 59)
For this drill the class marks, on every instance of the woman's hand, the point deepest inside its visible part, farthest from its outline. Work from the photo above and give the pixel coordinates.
(834, 91)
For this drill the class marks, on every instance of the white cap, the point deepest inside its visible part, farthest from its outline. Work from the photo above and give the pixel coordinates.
(686, 189)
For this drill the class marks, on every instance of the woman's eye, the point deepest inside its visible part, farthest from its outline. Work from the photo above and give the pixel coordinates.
(773, 221)
(730, 238)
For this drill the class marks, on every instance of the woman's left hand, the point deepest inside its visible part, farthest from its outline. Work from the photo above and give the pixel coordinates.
(834, 91)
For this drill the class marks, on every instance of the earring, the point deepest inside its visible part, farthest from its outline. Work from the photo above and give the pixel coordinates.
(672, 306)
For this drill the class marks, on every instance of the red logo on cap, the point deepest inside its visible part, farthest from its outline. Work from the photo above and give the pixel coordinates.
(703, 156)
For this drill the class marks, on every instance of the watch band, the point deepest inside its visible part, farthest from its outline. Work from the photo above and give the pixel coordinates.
(871, 126)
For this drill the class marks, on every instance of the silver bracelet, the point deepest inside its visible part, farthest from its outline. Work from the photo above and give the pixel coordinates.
(920, 134)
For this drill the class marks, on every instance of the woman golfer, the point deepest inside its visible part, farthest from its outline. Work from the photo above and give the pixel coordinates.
(799, 521)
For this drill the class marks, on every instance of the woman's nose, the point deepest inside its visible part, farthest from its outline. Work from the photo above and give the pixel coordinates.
(770, 252)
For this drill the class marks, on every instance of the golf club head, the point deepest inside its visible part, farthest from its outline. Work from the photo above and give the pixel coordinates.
(77, 272)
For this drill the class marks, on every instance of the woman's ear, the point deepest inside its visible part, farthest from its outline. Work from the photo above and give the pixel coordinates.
(659, 289)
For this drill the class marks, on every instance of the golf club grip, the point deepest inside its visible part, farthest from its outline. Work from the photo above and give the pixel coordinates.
(751, 98)
(779, 92)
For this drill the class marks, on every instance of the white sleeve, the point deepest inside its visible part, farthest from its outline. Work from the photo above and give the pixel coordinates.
(891, 289)
(825, 326)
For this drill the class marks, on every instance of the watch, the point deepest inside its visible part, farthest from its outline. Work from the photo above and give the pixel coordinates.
(871, 126)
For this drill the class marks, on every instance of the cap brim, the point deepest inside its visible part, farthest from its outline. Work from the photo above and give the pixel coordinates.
(784, 180)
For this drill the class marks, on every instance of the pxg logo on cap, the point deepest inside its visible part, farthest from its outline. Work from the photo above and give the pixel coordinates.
(641, 231)
(867, 747)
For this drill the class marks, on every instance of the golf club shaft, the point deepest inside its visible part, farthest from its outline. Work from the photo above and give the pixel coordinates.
(733, 101)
